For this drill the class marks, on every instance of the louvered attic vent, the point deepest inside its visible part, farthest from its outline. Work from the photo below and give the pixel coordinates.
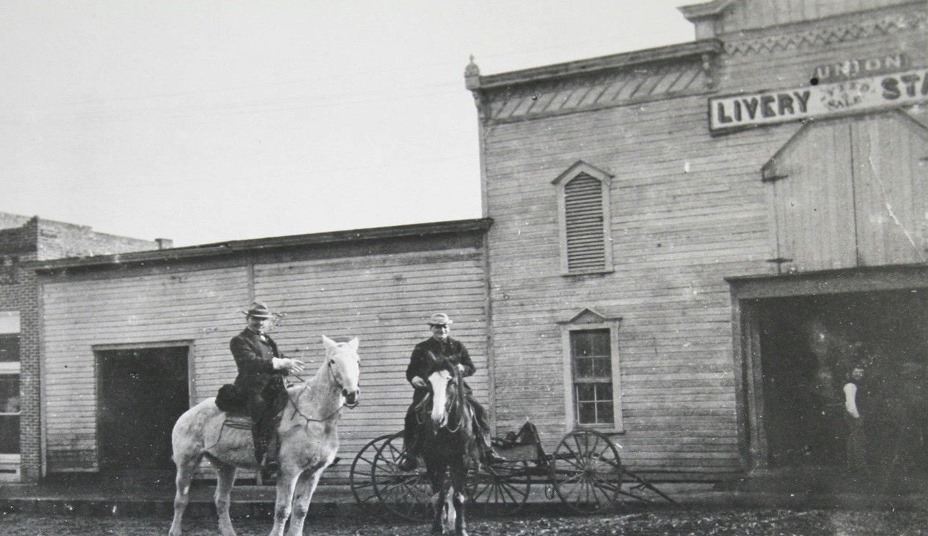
(583, 214)
(583, 217)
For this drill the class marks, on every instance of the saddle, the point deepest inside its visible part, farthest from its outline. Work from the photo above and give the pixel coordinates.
(231, 400)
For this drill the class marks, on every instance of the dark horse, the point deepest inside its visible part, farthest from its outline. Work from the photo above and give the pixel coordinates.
(447, 441)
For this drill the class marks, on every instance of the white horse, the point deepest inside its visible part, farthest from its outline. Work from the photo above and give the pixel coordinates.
(308, 442)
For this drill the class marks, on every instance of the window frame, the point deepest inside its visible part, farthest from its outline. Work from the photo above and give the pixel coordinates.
(590, 320)
(605, 179)
(8, 372)
(11, 325)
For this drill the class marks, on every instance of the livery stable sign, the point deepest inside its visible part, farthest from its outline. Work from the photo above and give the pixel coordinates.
(848, 96)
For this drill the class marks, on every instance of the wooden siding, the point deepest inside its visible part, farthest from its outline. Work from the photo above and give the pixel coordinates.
(787, 57)
(851, 194)
(688, 210)
(813, 200)
(751, 14)
(200, 307)
(891, 189)
(685, 214)
(383, 299)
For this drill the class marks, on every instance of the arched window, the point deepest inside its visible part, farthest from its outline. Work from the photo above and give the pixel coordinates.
(583, 206)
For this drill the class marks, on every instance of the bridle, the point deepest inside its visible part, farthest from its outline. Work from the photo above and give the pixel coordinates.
(454, 397)
(296, 406)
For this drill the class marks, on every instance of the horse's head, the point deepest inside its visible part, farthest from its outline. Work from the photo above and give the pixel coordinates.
(445, 382)
(343, 363)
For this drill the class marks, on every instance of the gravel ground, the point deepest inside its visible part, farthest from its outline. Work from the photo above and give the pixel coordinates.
(772, 522)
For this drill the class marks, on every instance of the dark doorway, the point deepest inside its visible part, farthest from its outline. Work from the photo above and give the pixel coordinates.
(808, 346)
(142, 393)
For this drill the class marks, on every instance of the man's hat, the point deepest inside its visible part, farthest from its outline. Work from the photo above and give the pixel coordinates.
(439, 319)
(258, 310)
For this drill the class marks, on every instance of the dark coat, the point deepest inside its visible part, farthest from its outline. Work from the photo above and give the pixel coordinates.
(420, 362)
(256, 372)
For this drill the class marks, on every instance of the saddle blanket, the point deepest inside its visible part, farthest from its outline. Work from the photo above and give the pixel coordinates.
(239, 422)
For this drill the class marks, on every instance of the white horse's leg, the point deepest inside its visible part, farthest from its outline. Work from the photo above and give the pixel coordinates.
(182, 481)
(305, 488)
(225, 479)
(286, 482)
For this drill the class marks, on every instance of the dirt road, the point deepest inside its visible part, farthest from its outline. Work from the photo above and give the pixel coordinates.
(656, 522)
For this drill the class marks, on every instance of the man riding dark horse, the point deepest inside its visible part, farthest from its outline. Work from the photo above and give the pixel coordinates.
(440, 344)
(261, 371)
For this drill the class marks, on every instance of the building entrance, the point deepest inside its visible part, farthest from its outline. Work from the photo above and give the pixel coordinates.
(142, 392)
(808, 345)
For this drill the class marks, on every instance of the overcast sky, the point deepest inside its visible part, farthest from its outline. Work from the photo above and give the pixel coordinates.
(205, 121)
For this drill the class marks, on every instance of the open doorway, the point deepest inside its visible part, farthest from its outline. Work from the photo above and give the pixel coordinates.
(142, 392)
(808, 345)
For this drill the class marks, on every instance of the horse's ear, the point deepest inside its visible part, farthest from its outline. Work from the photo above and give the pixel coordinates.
(329, 343)
(353, 343)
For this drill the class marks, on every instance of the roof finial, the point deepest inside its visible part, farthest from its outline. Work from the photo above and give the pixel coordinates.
(472, 69)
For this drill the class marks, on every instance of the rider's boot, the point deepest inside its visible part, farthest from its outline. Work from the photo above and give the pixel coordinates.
(271, 464)
(408, 461)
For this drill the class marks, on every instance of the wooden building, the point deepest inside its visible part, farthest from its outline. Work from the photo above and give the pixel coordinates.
(691, 243)
(131, 341)
(23, 240)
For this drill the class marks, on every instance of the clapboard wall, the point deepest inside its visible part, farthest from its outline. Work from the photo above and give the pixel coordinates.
(688, 210)
(755, 14)
(681, 222)
(378, 285)
(167, 306)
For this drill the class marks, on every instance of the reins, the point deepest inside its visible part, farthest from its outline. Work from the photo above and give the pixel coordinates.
(455, 398)
(296, 407)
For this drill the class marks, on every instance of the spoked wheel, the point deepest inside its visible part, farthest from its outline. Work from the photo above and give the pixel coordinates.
(361, 476)
(404, 493)
(587, 471)
(507, 483)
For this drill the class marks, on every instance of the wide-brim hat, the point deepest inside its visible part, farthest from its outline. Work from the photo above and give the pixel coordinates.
(439, 319)
(258, 310)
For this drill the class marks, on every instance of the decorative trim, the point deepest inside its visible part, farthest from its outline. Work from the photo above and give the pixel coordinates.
(849, 31)
(591, 92)
(589, 316)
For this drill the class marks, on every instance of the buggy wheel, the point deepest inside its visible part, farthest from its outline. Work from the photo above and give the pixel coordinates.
(404, 493)
(586, 471)
(361, 477)
(507, 483)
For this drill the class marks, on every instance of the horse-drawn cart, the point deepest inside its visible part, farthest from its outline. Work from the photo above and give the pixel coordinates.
(584, 472)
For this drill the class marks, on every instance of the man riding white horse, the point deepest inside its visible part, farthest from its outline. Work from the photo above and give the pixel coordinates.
(440, 344)
(261, 371)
